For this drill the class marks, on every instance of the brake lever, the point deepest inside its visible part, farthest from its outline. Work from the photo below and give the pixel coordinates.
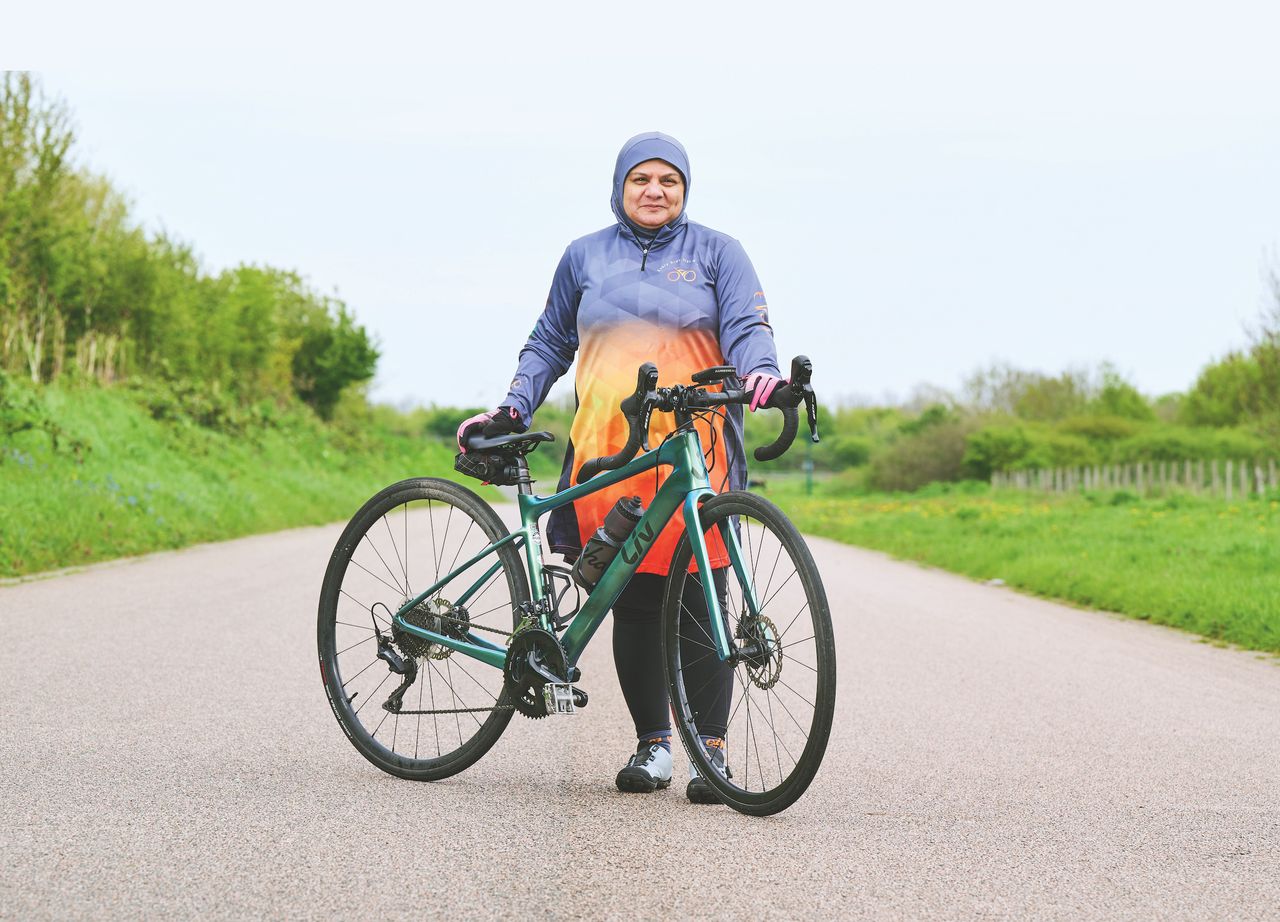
(811, 411)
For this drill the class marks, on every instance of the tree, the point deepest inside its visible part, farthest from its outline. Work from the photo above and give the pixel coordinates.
(333, 353)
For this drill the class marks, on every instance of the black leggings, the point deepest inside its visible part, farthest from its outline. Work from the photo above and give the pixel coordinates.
(637, 653)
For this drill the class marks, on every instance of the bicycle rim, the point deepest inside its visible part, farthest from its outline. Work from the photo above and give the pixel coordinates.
(402, 541)
(775, 709)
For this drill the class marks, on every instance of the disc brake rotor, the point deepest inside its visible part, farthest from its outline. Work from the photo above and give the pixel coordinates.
(764, 667)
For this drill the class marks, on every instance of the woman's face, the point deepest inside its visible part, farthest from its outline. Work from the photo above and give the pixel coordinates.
(653, 194)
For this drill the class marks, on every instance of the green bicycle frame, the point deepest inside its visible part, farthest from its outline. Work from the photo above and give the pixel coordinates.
(686, 486)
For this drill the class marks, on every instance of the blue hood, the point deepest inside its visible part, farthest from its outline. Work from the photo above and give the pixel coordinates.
(652, 145)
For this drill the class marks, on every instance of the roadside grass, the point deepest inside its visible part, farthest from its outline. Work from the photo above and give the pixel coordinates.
(1193, 563)
(144, 485)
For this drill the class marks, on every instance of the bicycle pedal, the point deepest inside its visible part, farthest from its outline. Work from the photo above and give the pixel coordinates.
(559, 698)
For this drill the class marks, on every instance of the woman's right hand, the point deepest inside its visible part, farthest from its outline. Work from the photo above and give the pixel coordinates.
(502, 421)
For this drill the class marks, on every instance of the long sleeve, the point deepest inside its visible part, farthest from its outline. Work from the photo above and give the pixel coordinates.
(550, 349)
(746, 339)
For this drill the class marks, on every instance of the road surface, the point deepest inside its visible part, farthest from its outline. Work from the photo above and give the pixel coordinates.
(168, 750)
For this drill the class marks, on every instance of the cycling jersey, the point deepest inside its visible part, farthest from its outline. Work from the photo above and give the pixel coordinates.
(684, 298)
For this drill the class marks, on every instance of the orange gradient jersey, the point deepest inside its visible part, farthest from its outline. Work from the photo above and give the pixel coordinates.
(688, 300)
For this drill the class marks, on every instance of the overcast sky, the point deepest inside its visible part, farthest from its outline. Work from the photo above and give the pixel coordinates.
(924, 188)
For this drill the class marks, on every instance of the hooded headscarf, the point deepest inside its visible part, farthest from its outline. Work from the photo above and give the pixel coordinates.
(652, 145)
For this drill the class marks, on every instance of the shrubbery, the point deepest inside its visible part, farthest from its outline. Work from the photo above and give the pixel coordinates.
(85, 293)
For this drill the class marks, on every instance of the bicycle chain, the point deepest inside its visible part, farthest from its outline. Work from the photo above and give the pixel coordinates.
(479, 627)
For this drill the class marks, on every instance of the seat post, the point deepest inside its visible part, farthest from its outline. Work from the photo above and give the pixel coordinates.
(524, 484)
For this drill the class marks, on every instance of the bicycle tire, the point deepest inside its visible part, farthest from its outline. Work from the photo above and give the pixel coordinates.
(429, 513)
(766, 536)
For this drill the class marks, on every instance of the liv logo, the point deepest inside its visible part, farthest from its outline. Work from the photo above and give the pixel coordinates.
(639, 543)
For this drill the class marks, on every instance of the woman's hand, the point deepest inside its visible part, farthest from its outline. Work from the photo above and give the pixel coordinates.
(760, 385)
(502, 421)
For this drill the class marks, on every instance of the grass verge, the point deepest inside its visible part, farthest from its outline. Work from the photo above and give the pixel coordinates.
(1202, 565)
(140, 484)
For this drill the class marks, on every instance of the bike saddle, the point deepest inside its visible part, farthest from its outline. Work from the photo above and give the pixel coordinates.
(516, 443)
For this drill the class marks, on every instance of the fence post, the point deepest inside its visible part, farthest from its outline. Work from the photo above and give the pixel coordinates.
(1229, 478)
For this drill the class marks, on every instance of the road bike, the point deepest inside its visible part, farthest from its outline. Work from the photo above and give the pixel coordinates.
(437, 623)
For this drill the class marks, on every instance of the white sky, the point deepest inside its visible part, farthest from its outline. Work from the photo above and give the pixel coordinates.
(923, 187)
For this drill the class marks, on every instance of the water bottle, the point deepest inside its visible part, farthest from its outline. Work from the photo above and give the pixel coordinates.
(603, 546)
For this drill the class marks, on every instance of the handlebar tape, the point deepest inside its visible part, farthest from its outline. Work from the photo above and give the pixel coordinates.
(786, 398)
(783, 400)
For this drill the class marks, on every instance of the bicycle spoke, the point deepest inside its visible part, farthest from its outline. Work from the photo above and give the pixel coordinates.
(418, 735)
(404, 517)
(457, 720)
(776, 752)
(451, 688)
(765, 603)
(403, 572)
(431, 520)
(796, 693)
(358, 674)
(479, 685)
(364, 607)
(359, 627)
(444, 540)
(374, 693)
(794, 643)
(765, 594)
(461, 544)
(395, 589)
(782, 704)
(373, 547)
(354, 645)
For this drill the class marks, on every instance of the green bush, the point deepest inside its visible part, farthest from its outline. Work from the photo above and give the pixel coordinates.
(998, 447)
(1058, 449)
(1101, 428)
(1176, 443)
(1118, 397)
(1223, 395)
(932, 454)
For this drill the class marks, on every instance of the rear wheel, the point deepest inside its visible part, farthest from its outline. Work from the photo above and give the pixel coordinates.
(443, 710)
(776, 696)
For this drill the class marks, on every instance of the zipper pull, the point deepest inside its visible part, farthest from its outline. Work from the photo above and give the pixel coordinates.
(645, 258)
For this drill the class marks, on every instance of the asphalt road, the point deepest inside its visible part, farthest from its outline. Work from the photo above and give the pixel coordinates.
(167, 750)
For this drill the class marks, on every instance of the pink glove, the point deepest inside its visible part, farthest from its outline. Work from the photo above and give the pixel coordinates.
(760, 385)
(480, 419)
(501, 421)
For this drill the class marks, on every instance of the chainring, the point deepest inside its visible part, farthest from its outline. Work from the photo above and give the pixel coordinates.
(523, 685)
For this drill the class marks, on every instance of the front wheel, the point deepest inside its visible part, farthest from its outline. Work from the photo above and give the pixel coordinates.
(772, 703)
(413, 708)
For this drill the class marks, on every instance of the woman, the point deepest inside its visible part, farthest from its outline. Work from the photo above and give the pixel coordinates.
(654, 286)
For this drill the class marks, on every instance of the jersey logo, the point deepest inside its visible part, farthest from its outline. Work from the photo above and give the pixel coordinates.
(682, 275)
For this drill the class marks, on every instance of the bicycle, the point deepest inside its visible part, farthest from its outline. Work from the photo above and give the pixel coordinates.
(490, 641)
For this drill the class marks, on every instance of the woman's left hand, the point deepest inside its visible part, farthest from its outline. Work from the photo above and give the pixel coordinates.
(761, 385)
